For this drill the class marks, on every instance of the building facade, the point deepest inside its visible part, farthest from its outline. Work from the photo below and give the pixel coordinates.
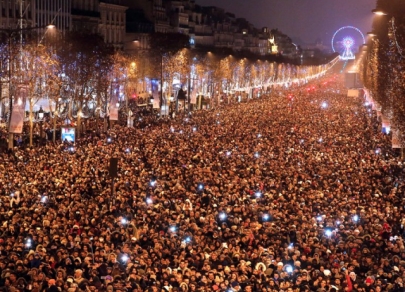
(54, 12)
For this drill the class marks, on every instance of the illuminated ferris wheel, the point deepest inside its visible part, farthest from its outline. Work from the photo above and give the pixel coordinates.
(344, 46)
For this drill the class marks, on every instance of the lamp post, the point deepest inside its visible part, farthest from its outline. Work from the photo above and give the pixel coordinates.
(378, 12)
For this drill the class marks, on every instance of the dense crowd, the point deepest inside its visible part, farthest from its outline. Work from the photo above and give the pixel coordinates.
(295, 191)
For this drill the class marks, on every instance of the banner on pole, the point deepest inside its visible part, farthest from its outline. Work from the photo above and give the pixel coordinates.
(5, 90)
(114, 99)
(385, 122)
(396, 141)
(155, 93)
(193, 96)
(18, 112)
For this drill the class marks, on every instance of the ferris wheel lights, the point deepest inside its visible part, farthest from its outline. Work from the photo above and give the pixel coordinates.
(347, 43)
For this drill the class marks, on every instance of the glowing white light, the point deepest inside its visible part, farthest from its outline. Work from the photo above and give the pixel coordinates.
(337, 222)
(302, 141)
(124, 258)
(320, 140)
(149, 201)
(109, 140)
(187, 239)
(257, 155)
(319, 218)
(172, 228)
(259, 135)
(291, 246)
(266, 217)
(127, 150)
(324, 104)
(153, 183)
(194, 129)
(258, 194)
(377, 151)
(72, 149)
(43, 199)
(181, 131)
(12, 195)
(228, 153)
(366, 103)
(222, 216)
(124, 221)
(328, 233)
(171, 129)
(289, 269)
(355, 218)
(200, 187)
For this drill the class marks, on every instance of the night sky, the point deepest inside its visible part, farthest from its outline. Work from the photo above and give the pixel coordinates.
(303, 20)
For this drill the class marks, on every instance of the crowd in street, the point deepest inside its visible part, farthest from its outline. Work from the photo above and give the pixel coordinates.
(298, 190)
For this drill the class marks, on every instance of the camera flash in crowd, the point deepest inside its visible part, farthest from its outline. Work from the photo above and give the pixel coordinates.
(222, 216)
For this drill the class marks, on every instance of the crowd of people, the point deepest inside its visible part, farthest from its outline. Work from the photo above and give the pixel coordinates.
(298, 190)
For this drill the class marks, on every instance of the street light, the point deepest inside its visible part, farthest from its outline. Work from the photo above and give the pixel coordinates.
(378, 12)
